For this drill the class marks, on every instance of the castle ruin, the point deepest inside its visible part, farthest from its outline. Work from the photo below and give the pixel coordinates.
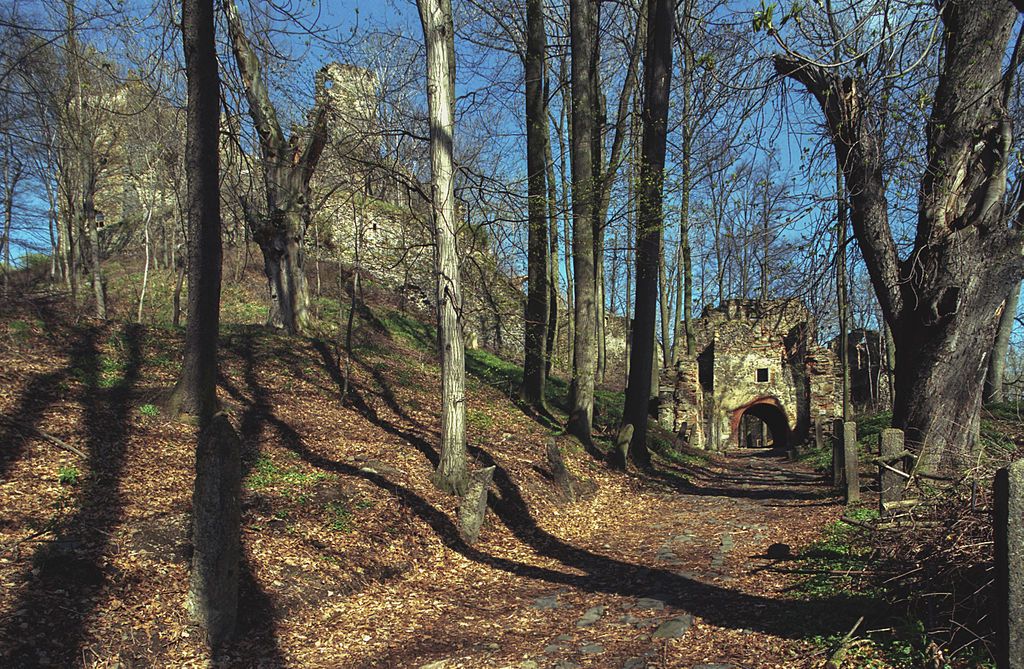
(755, 359)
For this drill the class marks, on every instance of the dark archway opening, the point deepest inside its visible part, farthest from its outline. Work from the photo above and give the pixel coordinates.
(763, 425)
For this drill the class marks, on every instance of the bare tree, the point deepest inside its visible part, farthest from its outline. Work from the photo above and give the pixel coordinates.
(582, 37)
(657, 84)
(439, 36)
(940, 299)
(288, 165)
(213, 582)
(539, 251)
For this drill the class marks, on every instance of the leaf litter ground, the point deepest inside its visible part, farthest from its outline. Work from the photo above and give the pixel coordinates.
(352, 557)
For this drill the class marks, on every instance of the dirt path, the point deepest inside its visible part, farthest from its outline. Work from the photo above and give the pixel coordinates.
(352, 557)
(678, 576)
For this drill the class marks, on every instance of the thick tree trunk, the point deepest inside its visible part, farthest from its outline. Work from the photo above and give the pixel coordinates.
(284, 267)
(657, 84)
(942, 299)
(213, 583)
(582, 20)
(997, 360)
(539, 243)
(439, 34)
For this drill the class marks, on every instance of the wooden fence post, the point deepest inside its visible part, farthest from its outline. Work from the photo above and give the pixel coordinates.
(890, 465)
(1009, 550)
(851, 462)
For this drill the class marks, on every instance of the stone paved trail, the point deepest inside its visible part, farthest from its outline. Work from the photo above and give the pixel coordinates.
(677, 576)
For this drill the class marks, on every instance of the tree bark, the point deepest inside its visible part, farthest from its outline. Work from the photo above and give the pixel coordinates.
(539, 242)
(657, 84)
(842, 299)
(997, 359)
(439, 35)
(213, 583)
(582, 34)
(941, 300)
(288, 166)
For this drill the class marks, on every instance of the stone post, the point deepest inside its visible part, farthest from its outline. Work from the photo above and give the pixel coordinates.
(1009, 550)
(819, 433)
(837, 453)
(851, 463)
(890, 444)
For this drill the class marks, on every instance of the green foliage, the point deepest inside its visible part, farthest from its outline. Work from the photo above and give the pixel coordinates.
(68, 475)
(839, 549)
(19, 331)
(404, 326)
(479, 420)
(763, 18)
(33, 260)
(267, 474)
(150, 410)
(339, 516)
(819, 458)
(869, 426)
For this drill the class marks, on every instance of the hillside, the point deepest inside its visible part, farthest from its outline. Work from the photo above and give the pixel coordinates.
(352, 558)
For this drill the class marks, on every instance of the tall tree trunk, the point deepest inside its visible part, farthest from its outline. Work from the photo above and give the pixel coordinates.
(684, 287)
(553, 314)
(940, 300)
(842, 301)
(539, 244)
(213, 583)
(664, 304)
(657, 84)
(582, 37)
(99, 284)
(997, 359)
(439, 35)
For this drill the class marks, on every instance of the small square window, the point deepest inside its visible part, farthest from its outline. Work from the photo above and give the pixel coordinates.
(762, 375)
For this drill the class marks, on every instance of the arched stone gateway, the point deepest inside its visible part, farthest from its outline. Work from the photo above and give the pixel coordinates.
(770, 412)
(757, 358)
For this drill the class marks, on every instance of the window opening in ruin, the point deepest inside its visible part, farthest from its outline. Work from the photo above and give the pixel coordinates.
(762, 375)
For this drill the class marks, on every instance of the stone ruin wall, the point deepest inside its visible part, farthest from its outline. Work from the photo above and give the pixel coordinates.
(734, 341)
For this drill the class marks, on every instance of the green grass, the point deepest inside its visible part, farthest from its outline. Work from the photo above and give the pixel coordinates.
(150, 410)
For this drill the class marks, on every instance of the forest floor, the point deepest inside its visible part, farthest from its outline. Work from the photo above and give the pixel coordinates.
(351, 556)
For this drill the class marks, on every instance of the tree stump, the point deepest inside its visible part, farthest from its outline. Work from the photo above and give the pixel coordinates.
(891, 484)
(1009, 550)
(851, 462)
(837, 453)
(473, 506)
(563, 479)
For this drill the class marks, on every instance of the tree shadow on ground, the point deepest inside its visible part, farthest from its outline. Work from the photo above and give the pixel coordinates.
(763, 486)
(602, 574)
(256, 634)
(68, 573)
